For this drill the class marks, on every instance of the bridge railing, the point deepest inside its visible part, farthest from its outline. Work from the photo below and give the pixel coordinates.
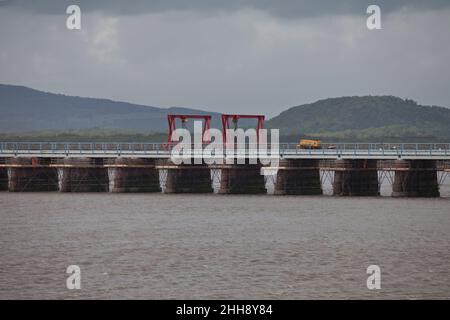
(81, 147)
(371, 148)
(164, 148)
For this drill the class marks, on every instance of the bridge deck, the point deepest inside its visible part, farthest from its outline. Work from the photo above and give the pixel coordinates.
(412, 151)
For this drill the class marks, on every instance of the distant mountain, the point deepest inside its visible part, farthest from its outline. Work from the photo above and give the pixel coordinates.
(375, 118)
(23, 110)
(369, 118)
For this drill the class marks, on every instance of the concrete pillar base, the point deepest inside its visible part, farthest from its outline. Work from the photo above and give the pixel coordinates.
(83, 175)
(415, 178)
(3, 176)
(356, 178)
(242, 179)
(134, 175)
(298, 177)
(32, 175)
(185, 178)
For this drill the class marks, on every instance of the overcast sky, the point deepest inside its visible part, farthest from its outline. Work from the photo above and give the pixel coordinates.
(254, 56)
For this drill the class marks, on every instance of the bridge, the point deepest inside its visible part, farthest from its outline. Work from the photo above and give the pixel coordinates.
(355, 169)
(377, 151)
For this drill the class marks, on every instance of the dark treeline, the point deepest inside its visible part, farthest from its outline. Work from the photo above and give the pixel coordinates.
(84, 136)
(115, 136)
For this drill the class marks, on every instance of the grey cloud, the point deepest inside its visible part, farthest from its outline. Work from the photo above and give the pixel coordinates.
(228, 63)
(243, 61)
(278, 8)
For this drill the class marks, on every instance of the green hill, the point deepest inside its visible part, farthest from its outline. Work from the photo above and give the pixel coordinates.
(24, 109)
(28, 114)
(369, 118)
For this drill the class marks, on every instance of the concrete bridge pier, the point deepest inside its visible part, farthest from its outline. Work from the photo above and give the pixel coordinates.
(242, 179)
(3, 175)
(83, 175)
(187, 178)
(415, 178)
(3, 179)
(356, 178)
(31, 175)
(298, 177)
(134, 175)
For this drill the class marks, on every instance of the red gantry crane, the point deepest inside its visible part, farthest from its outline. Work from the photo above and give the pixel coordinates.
(171, 118)
(235, 118)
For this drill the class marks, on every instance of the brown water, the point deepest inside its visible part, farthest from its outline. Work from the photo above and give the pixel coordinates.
(154, 246)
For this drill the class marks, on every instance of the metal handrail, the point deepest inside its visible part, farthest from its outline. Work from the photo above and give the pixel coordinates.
(164, 148)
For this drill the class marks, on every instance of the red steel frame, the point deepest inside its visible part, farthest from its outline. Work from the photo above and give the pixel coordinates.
(171, 118)
(235, 117)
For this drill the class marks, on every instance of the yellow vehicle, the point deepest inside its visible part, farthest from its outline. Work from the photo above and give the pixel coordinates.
(309, 144)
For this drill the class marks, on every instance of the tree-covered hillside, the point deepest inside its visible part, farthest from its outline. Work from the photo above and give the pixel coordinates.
(366, 118)
(24, 109)
(28, 114)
